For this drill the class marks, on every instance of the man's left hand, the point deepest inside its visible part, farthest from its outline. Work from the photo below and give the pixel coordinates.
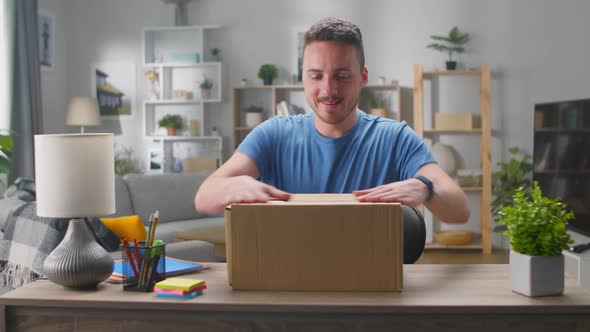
(410, 192)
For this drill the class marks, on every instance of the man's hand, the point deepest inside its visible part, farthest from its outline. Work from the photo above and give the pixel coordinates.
(246, 189)
(410, 192)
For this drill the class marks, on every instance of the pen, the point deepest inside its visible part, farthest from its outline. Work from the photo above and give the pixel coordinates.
(129, 258)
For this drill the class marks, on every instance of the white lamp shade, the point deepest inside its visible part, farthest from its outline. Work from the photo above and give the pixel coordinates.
(83, 111)
(74, 175)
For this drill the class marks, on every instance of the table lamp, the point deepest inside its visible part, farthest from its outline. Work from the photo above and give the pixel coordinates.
(83, 111)
(75, 178)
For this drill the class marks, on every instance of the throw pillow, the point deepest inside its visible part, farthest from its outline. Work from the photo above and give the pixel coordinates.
(129, 227)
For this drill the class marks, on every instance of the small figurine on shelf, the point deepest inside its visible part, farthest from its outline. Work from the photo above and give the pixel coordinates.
(153, 77)
(215, 132)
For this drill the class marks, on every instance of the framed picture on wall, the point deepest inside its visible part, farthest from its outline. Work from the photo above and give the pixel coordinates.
(113, 85)
(298, 50)
(46, 32)
(155, 158)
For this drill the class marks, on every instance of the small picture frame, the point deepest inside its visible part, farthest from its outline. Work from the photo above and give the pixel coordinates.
(155, 159)
(46, 26)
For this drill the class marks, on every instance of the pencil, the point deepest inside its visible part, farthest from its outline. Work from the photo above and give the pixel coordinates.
(129, 258)
(146, 254)
(153, 228)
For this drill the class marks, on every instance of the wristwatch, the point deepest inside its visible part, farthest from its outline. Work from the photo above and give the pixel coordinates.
(428, 184)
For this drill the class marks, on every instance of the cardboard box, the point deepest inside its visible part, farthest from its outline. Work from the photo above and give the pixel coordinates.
(456, 121)
(315, 242)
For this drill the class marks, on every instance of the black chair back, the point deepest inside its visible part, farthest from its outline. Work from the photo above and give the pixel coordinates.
(414, 234)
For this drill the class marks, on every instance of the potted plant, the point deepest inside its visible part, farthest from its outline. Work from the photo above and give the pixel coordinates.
(216, 53)
(377, 106)
(536, 228)
(171, 122)
(514, 174)
(452, 43)
(206, 86)
(125, 162)
(267, 73)
(6, 144)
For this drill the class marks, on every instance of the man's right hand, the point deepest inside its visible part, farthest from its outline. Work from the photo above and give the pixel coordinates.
(235, 182)
(246, 189)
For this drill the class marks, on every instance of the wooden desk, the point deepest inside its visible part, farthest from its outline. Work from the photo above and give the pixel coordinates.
(215, 235)
(435, 298)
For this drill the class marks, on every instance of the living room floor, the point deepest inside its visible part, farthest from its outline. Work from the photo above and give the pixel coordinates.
(432, 256)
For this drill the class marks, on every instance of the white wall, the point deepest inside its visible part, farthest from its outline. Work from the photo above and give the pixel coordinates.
(536, 49)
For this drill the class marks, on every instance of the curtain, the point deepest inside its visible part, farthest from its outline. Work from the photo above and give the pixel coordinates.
(25, 104)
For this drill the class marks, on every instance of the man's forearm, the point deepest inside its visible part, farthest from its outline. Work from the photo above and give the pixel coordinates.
(210, 196)
(449, 204)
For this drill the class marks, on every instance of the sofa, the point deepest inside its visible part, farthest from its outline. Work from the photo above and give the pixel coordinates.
(173, 195)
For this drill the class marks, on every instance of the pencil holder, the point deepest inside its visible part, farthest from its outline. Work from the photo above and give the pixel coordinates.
(143, 266)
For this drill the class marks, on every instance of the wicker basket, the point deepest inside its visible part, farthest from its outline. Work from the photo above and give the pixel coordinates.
(454, 237)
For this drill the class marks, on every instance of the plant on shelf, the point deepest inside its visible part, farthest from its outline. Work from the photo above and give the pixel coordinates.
(514, 174)
(125, 162)
(453, 43)
(172, 122)
(536, 228)
(206, 85)
(6, 144)
(216, 53)
(267, 73)
(377, 106)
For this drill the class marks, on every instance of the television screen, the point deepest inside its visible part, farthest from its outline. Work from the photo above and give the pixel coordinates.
(561, 156)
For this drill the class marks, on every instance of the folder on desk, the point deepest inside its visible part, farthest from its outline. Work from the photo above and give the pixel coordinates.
(174, 266)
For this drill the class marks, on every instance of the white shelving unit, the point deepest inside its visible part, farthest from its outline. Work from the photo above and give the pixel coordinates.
(180, 56)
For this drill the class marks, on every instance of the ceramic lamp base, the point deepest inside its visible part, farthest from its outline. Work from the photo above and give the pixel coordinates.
(78, 262)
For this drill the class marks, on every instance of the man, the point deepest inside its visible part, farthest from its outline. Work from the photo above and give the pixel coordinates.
(337, 148)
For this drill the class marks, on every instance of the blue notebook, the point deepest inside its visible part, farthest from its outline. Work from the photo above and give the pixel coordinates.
(174, 266)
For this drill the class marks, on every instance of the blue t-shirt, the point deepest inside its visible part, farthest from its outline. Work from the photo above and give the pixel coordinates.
(291, 155)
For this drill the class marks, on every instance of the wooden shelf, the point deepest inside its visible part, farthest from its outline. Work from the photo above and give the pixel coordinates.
(430, 74)
(472, 188)
(243, 128)
(563, 130)
(562, 172)
(483, 74)
(268, 96)
(473, 246)
(476, 131)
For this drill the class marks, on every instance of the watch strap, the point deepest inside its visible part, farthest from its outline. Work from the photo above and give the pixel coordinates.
(428, 184)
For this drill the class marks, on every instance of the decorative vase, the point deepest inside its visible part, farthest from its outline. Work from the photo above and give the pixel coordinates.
(446, 157)
(205, 93)
(451, 65)
(194, 127)
(253, 119)
(536, 275)
(78, 262)
(171, 131)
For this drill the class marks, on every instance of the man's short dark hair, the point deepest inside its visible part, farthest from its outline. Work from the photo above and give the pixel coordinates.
(334, 29)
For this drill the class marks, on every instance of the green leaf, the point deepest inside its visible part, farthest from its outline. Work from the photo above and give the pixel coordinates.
(6, 142)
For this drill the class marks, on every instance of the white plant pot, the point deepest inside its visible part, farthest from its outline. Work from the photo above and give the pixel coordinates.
(536, 275)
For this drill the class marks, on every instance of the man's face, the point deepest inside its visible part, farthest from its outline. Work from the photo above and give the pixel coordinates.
(333, 79)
